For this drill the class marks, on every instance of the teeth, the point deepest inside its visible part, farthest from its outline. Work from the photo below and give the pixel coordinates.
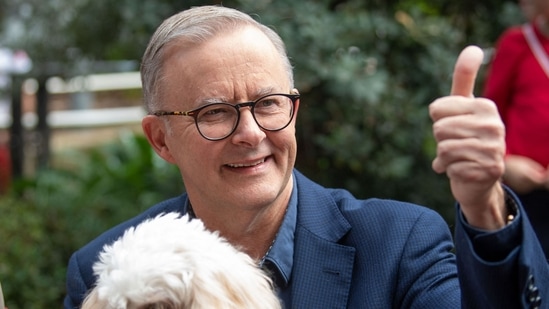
(246, 165)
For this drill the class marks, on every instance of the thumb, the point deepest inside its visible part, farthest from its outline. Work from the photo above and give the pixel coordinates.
(465, 71)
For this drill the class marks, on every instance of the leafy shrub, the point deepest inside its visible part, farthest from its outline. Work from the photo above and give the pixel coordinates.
(48, 217)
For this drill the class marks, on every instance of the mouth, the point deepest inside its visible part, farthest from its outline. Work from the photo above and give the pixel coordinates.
(248, 164)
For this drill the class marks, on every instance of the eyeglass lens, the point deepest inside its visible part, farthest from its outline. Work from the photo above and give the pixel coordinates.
(217, 121)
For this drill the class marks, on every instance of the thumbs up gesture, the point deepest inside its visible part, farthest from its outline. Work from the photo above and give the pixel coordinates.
(470, 140)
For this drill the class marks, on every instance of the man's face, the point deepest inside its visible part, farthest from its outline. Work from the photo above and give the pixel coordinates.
(249, 169)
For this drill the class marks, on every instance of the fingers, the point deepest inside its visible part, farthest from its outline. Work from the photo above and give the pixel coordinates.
(469, 159)
(470, 144)
(465, 71)
(461, 106)
(471, 125)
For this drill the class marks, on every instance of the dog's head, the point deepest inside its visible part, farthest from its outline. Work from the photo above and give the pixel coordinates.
(173, 262)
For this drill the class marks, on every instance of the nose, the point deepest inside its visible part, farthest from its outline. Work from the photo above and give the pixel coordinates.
(247, 131)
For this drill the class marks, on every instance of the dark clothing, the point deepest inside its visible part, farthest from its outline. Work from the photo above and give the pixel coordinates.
(350, 253)
(536, 205)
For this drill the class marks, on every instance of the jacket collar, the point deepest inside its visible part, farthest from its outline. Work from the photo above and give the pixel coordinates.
(322, 266)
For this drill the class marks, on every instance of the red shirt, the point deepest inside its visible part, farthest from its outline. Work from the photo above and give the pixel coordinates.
(518, 85)
(5, 168)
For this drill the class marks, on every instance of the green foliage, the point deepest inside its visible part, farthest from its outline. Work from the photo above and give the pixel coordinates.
(50, 216)
(62, 36)
(29, 261)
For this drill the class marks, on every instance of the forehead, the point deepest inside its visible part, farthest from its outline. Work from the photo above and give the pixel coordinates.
(234, 66)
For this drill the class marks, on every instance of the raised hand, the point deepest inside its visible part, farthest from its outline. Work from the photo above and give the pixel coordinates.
(471, 145)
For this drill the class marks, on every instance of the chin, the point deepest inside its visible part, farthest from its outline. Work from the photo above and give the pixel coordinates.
(172, 262)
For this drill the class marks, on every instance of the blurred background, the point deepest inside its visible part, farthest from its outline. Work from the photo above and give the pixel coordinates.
(73, 161)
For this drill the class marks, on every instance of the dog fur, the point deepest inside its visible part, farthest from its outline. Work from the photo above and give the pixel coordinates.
(171, 262)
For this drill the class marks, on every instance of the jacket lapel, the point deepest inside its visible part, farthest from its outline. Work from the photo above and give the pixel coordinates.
(322, 266)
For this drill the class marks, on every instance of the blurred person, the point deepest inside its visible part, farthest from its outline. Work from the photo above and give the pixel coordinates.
(518, 82)
(5, 161)
(5, 167)
(173, 262)
(219, 91)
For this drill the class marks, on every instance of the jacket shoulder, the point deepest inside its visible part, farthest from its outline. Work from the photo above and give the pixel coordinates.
(87, 255)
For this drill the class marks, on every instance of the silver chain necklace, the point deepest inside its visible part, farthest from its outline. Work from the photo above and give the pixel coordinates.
(262, 260)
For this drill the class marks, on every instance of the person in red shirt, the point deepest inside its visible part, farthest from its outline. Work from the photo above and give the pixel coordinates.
(518, 82)
(5, 168)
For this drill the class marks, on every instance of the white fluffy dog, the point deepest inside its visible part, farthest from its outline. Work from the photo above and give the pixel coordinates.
(171, 262)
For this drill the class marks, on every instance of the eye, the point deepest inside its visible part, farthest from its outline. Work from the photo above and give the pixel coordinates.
(271, 103)
(216, 112)
(267, 102)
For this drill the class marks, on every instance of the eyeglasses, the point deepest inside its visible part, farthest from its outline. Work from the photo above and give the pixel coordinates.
(217, 121)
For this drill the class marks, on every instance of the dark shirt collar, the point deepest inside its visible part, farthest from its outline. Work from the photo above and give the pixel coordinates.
(279, 260)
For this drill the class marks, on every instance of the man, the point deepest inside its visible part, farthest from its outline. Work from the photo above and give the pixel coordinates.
(222, 106)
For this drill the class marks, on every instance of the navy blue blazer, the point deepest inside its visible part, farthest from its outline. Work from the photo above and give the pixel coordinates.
(376, 253)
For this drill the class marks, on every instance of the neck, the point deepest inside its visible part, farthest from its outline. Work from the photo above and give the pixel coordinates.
(251, 229)
(256, 239)
(543, 25)
(253, 233)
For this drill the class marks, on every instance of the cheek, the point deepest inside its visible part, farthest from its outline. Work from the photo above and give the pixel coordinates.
(286, 141)
(186, 146)
(193, 161)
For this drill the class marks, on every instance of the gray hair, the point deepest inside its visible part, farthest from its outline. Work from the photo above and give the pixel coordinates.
(194, 26)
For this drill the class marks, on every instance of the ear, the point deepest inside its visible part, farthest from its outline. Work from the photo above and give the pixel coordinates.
(156, 131)
(295, 91)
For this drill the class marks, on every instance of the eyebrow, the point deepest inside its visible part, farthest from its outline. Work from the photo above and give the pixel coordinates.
(258, 94)
(212, 100)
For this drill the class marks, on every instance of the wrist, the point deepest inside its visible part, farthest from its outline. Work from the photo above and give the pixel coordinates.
(511, 208)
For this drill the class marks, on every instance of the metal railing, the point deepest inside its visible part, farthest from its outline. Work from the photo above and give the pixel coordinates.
(85, 117)
(42, 121)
